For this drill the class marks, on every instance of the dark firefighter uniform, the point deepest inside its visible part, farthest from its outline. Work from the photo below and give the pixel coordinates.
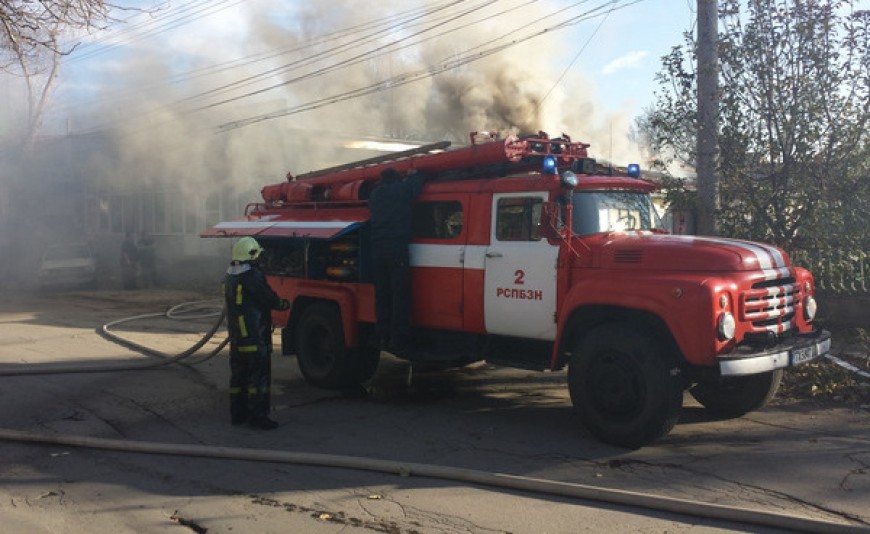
(390, 207)
(249, 301)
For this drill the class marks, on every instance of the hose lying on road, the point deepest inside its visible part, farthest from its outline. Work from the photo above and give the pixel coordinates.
(848, 366)
(499, 480)
(176, 312)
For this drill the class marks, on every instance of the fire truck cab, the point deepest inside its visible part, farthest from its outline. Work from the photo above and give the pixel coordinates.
(527, 253)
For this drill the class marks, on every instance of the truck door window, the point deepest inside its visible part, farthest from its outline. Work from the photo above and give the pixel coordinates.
(518, 219)
(437, 220)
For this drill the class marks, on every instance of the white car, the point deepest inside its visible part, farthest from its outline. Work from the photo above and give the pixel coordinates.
(67, 264)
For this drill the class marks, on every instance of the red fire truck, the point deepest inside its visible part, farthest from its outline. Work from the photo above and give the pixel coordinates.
(527, 253)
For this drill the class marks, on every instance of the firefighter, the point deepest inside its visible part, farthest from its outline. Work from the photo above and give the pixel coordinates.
(129, 261)
(249, 301)
(390, 207)
(147, 260)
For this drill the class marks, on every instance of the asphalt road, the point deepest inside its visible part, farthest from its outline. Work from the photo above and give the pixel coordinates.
(792, 457)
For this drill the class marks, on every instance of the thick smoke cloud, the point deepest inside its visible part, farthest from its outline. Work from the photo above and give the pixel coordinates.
(152, 111)
(163, 131)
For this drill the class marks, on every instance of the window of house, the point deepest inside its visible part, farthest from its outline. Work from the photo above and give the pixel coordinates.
(193, 219)
(146, 198)
(159, 213)
(131, 214)
(437, 220)
(518, 219)
(176, 212)
(212, 209)
(116, 212)
(102, 211)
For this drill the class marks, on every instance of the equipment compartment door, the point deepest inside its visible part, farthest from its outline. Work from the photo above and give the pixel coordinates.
(520, 270)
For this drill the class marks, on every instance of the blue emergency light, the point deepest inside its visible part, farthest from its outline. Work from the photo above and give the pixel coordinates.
(633, 170)
(549, 166)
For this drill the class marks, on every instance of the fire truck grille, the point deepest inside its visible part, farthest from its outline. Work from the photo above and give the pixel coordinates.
(770, 305)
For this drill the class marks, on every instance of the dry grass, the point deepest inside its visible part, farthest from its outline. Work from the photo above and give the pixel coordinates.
(825, 380)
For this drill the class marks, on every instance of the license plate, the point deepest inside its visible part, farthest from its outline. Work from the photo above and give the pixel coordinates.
(803, 355)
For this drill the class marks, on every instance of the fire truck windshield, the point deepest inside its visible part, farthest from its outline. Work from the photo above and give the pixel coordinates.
(613, 211)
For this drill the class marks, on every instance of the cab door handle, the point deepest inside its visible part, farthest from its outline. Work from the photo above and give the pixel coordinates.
(493, 254)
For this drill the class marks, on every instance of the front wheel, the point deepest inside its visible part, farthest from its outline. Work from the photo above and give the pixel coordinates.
(738, 395)
(626, 389)
(323, 358)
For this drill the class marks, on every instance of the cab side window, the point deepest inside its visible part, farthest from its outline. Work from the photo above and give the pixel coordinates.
(437, 220)
(518, 219)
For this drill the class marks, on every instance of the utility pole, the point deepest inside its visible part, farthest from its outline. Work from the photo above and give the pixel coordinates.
(708, 116)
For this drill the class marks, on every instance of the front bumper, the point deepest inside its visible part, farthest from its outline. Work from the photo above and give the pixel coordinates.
(796, 351)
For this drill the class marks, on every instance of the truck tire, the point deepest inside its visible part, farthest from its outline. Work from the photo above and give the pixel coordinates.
(323, 358)
(738, 395)
(626, 389)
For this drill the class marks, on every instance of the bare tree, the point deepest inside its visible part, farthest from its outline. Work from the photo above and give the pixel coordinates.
(34, 36)
(29, 27)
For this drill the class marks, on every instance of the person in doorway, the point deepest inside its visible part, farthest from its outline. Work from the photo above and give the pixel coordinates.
(147, 260)
(129, 262)
(390, 207)
(249, 301)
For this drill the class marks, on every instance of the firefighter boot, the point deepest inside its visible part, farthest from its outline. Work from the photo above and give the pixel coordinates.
(262, 423)
(259, 409)
(238, 408)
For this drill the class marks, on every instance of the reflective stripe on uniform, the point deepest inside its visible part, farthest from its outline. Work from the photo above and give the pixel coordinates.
(235, 391)
(239, 294)
(243, 328)
(248, 348)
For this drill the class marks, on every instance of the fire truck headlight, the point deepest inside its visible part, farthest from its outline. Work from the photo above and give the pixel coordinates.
(569, 180)
(810, 308)
(549, 165)
(726, 326)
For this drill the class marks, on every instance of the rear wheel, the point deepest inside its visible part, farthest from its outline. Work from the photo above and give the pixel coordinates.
(737, 395)
(626, 389)
(323, 358)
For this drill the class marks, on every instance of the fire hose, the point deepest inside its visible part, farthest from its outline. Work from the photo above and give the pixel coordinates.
(483, 478)
(106, 331)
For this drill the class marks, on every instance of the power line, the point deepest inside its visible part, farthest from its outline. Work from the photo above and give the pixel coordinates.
(411, 77)
(190, 12)
(491, 47)
(577, 55)
(374, 35)
(410, 14)
(359, 58)
(264, 56)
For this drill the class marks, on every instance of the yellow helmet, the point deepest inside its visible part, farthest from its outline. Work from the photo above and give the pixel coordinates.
(246, 249)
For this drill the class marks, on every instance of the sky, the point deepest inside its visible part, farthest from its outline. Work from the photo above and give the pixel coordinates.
(609, 60)
(249, 88)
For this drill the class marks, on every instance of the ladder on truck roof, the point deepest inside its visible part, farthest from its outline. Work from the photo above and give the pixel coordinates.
(353, 181)
(387, 158)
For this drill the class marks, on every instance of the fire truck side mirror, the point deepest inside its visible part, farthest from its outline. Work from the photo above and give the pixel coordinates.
(552, 225)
